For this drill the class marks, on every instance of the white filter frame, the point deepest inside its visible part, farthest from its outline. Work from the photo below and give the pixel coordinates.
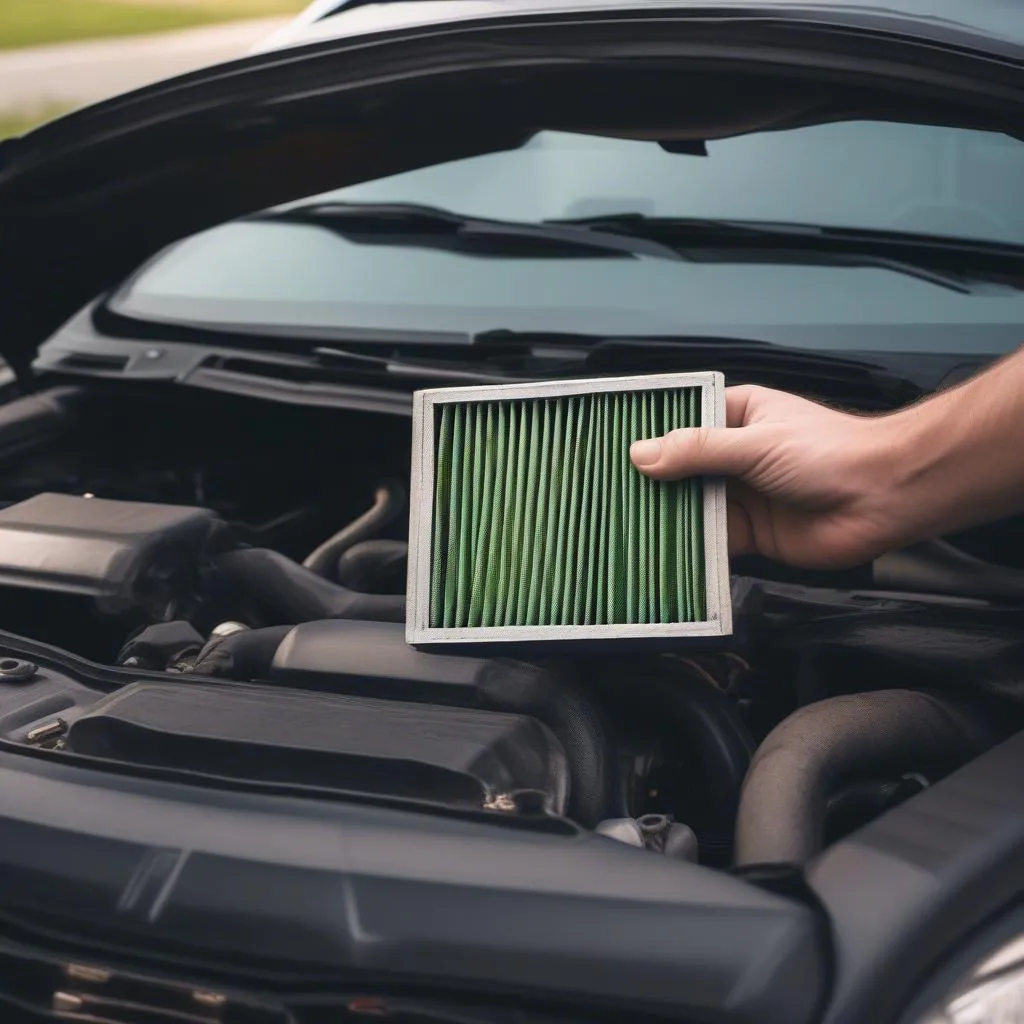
(718, 599)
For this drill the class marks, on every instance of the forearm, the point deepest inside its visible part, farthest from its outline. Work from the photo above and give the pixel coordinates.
(957, 459)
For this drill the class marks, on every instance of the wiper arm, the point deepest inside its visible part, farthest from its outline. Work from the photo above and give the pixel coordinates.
(956, 264)
(410, 225)
(402, 367)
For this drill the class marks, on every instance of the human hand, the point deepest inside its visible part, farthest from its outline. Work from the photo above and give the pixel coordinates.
(808, 485)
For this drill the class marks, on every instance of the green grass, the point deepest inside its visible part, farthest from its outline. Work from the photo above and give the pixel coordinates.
(38, 22)
(17, 122)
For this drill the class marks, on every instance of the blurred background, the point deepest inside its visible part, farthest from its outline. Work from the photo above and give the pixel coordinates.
(57, 55)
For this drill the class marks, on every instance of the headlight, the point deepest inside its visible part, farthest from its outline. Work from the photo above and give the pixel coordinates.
(992, 993)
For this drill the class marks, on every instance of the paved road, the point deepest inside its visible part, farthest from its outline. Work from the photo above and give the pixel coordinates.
(75, 74)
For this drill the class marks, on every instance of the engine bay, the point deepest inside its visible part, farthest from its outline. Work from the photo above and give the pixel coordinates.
(205, 585)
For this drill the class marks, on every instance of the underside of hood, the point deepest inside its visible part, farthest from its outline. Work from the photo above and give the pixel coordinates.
(85, 200)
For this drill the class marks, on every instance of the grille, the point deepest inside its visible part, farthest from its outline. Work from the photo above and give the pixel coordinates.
(530, 522)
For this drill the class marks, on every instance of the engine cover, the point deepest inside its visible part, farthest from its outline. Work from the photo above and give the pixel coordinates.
(451, 756)
(373, 659)
(125, 555)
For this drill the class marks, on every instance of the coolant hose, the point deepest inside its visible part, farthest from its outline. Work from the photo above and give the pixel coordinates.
(388, 503)
(817, 750)
(597, 791)
(287, 593)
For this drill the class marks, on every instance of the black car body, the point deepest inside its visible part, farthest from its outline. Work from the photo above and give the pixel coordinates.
(190, 822)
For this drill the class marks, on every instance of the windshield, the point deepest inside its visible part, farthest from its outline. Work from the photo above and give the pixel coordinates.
(864, 175)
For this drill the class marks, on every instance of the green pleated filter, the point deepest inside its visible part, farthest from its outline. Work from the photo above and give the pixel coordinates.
(528, 521)
(540, 519)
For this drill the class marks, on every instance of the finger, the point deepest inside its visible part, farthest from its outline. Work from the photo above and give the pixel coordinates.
(699, 452)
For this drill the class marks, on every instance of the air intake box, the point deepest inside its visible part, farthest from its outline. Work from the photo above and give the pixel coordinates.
(530, 524)
(124, 555)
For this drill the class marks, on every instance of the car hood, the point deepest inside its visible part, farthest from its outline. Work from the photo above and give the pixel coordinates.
(86, 199)
(997, 24)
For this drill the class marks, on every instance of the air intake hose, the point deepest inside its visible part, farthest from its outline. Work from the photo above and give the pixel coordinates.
(387, 506)
(374, 566)
(284, 592)
(246, 655)
(829, 744)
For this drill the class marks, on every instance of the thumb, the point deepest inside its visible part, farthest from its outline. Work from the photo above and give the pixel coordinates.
(699, 451)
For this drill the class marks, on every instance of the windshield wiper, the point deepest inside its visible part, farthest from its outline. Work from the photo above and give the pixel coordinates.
(957, 264)
(424, 369)
(410, 225)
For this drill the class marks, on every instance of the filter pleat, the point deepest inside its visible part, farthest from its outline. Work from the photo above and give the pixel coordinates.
(652, 495)
(571, 583)
(441, 485)
(696, 535)
(587, 547)
(557, 568)
(555, 502)
(539, 518)
(638, 524)
(501, 521)
(543, 446)
(679, 531)
(604, 512)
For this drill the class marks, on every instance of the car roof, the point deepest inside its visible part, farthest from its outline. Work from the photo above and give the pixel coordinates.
(997, 21)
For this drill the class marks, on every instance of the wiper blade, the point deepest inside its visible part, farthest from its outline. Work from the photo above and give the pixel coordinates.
(956, 264)
(410, 225)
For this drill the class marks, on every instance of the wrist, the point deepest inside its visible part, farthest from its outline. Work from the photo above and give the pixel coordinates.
(947, 463)
(907, 456)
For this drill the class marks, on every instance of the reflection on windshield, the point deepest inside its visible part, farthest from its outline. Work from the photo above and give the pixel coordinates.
(860, 174)
(869, 175)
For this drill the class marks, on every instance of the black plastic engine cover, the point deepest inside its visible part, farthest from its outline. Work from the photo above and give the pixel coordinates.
(352, 656)
(372, 658)
(126, 555)
(450, 756)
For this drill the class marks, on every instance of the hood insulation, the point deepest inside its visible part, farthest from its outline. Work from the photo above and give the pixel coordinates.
(530, 522)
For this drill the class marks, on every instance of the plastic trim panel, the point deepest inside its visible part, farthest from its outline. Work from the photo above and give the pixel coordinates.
(905, 890)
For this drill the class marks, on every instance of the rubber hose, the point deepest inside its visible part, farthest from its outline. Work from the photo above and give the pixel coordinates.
(247, 655)
(822, 747)
(388, 503)
(596, 792)
(288, 594)
(711, 727)
(367, 566)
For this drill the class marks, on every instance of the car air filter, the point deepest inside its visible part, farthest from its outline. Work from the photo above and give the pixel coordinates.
(530, 524)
